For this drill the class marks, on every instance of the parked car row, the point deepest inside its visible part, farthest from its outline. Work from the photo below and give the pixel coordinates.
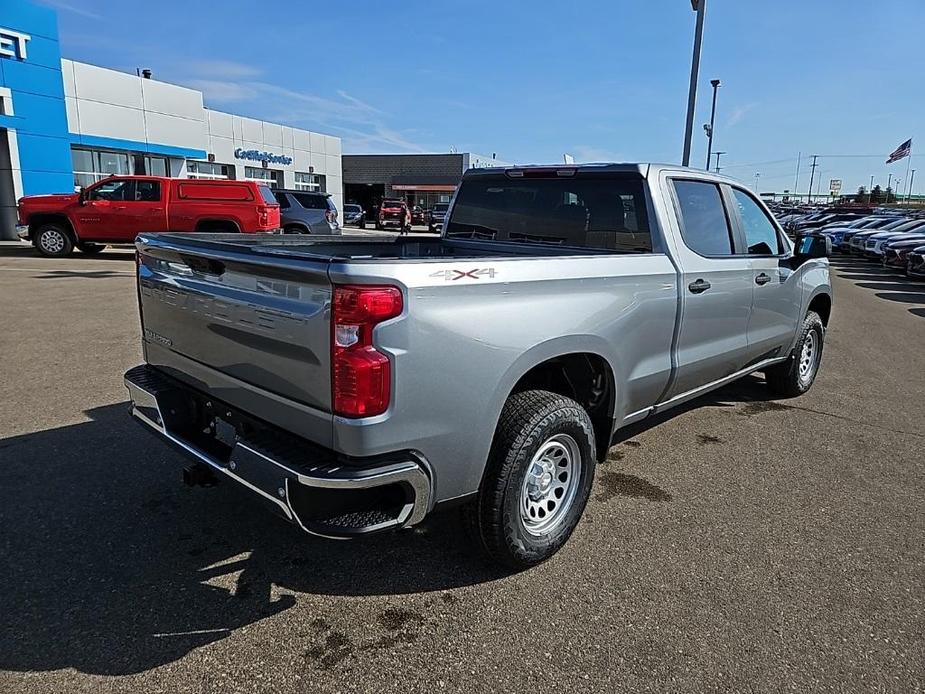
(394, 213)
(895, 239)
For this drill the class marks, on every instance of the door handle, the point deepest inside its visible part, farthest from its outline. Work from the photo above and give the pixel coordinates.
(763, 278)
(699, 286)
(155, 210)
(120, 207)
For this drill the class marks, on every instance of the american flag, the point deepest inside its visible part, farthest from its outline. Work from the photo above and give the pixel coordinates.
(904, 150)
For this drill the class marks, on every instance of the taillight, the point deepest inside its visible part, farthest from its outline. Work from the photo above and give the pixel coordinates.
(330, 216)
(360, 374)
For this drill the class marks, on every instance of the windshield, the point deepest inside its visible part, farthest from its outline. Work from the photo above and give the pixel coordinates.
(392, 204)
(441, 207)
(352, 208)
(587, 209)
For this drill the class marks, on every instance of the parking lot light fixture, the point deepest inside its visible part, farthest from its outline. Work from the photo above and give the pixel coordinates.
(699, 6)
(712, 128)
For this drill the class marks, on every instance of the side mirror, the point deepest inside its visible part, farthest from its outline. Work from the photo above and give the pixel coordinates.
(812, 246)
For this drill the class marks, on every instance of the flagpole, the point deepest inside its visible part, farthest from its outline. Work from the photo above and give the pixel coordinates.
(908, 164)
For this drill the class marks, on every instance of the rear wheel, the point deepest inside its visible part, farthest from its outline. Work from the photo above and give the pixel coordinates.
(88, 248)
(537, 480)
(293, 229)
(796, 375)
(53, 240)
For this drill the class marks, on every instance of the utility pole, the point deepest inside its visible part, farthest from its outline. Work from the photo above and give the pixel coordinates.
(717, 160)
(812, 173)
(710, 129)
(700, 7)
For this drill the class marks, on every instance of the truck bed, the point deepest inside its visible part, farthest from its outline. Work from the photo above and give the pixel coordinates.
(358, 248)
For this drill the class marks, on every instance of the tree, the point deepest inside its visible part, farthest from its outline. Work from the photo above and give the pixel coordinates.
(876, 195)
(861, 195)
(889, 195)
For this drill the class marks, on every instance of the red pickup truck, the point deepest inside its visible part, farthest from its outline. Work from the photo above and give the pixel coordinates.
(117, 209)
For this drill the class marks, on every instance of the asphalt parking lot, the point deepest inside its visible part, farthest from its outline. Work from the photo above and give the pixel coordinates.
(740, 544)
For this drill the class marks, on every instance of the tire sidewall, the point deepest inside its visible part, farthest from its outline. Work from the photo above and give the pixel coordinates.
(45, 231)
(527, 547)
(812, 324)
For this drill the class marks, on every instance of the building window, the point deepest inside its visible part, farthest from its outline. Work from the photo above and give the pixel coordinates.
(92, 165)
(271, 177)
(204, 169)
(147, 165)
(309, 181)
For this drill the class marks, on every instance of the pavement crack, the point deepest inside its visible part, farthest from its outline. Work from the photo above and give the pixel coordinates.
(856, 421)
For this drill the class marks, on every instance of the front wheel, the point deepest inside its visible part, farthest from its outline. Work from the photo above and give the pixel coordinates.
(537, 480)
(53, 240)
(796, 375)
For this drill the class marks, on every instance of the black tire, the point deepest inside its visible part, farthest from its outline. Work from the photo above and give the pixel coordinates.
(53, 240)
(378, 226)
(294, 229)
(796, 376)
(362, 224)
(88, 248)
(531, 422)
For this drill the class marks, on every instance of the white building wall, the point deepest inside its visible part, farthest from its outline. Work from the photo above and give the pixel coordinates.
(110, 104)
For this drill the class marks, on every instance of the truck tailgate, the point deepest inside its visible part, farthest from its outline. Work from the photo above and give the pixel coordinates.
(260, 319)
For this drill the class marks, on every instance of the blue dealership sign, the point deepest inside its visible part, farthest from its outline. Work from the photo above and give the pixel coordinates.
(256, 155)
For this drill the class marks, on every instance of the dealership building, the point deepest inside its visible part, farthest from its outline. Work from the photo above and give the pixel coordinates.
(65, 124)
(419, 179)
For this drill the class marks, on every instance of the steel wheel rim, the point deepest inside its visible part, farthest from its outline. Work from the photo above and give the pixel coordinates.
(550, 485)
(809, 355)
(52, 241)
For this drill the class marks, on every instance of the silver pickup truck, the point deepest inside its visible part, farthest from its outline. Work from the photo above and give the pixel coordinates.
(355, 384)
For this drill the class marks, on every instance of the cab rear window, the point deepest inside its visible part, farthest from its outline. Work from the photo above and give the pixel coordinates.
(604, 211)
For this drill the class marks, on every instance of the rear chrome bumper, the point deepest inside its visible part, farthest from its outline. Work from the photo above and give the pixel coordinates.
(321, 495)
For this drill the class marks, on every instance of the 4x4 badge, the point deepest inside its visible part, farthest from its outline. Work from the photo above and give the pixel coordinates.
(453, 275)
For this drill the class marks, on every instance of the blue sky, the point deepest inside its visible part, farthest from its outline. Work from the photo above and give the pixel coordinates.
(531, 80)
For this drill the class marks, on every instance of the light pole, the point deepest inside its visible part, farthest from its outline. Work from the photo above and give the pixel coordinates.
(909, 192)
(870, 191)
(889, 180)
(717, 160)
(699, 6)
(757, 176)
(710, 128)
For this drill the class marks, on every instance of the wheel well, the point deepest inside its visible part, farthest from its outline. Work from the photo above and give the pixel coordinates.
(217, 225)
(303, 228)
(586, 378)
(37, 220)
(822, 304)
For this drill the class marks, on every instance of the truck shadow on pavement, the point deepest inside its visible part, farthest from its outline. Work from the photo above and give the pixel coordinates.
(114, 567)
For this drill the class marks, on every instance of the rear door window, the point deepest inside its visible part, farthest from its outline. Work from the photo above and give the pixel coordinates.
(584, 209)
(147, 191)
(704, 226)
(281, 199)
